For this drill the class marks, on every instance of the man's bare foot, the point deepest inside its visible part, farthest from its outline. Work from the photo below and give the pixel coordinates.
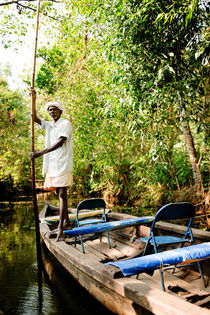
(53, 231)
(51, 234)
(67, 226)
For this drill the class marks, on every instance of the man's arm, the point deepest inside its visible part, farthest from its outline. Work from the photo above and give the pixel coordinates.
(33, 99)
(58, 144)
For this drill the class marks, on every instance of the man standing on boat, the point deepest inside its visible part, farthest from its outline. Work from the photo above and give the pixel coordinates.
(58, 157)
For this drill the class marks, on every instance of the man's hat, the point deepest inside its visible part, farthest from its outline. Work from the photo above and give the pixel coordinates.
(58, 105)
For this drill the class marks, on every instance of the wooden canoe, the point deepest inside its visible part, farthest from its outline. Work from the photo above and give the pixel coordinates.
(128, 295)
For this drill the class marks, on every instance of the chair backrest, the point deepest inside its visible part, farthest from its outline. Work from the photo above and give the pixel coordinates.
(91, 204)
(174, 211)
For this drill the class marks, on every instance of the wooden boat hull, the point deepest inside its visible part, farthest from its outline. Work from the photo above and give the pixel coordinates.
(120, 295)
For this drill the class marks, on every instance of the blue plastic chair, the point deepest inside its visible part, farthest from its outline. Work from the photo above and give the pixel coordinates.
(91, 204)
(172, 211)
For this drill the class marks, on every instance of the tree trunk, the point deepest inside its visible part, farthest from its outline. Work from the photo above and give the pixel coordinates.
(192, 152)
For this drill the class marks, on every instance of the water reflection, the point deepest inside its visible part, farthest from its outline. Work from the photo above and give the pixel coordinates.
(20, 290)
(70, 293)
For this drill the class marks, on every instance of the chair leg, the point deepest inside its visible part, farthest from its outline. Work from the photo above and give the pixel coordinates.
(147, 244)
(162, 280)
(107, 233)
(83, 249)
(145, 248)
(198, 263)
(161, 272)
(155, 247)
(201, 273)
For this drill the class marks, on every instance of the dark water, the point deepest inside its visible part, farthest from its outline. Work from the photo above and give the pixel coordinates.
(20, 290)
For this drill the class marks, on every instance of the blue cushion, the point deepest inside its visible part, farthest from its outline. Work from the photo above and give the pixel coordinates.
(165, 239)
(155, 261)
(107, 226)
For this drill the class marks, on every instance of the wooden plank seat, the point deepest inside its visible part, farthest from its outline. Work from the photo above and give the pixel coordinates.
(184, 256)
(72, 216)
(106, 226)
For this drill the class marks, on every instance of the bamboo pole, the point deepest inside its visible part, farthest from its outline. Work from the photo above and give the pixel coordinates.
(33, 176)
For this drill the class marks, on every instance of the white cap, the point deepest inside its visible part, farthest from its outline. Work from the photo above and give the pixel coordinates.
(58, 105)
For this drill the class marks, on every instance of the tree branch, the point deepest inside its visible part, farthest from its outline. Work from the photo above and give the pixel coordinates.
(18, 2)
(30, 8)
(33, 9)
(200, 159)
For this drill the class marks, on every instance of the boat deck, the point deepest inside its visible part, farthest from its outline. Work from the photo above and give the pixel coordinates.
(183, 283)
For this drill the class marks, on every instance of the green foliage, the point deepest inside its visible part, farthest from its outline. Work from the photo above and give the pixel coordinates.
(15, 140)
(120, 68)
(49, 72)
(18, 18)
(148, 58)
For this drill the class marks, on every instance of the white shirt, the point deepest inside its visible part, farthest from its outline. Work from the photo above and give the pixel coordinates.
(59, 161)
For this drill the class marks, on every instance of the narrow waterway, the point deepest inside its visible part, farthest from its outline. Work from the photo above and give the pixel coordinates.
(21, 291)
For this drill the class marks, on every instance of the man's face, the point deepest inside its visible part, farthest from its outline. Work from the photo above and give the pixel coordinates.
(54, 112)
